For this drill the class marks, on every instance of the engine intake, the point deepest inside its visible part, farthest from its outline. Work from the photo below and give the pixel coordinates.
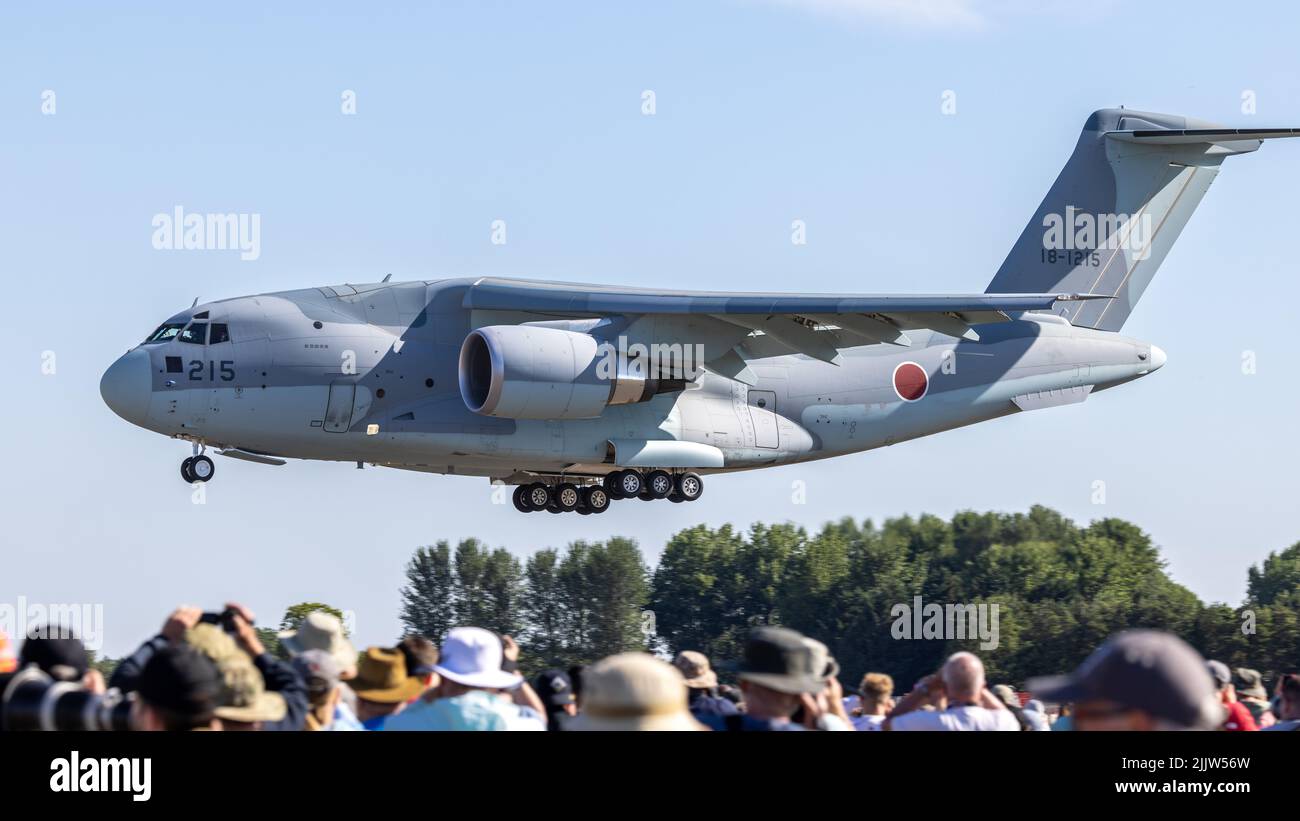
(530, 372)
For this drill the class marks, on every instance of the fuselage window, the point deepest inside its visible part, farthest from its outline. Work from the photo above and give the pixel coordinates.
(165, 332)
(196, 334)
(220, 333)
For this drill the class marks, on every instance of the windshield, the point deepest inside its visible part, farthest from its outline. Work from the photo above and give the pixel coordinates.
(165, 332)
(196, 334)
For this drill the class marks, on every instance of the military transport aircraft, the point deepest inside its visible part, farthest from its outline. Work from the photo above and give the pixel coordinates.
(582, 394)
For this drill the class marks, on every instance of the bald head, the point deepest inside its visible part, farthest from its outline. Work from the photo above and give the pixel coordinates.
(963, 676)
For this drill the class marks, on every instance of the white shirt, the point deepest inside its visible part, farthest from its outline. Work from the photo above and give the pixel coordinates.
(867, 724)
(956, 719)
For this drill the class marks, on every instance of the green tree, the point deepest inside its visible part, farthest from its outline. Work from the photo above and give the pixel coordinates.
(428, 598)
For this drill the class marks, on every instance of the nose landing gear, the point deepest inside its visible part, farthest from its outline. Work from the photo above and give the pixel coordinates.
(197, 469)
(597, 498)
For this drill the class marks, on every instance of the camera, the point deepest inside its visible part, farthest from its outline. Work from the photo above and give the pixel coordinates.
(31, 700)
(225, 619)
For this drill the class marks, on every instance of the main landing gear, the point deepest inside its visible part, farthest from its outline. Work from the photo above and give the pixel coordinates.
(197, 468)
(621, 484)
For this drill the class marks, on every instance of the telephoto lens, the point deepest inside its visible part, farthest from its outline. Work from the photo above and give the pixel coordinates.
(31, 700)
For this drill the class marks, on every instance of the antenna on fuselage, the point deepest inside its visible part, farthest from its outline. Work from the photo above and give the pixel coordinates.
(195, 302)
(386, 277)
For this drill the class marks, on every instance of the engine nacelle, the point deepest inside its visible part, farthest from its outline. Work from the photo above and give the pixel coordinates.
(530, 372)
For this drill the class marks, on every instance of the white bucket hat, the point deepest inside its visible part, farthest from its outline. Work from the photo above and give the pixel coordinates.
(322, 631)
(472, 656)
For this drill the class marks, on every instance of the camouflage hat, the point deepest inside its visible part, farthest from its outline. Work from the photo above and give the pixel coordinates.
(243, 695)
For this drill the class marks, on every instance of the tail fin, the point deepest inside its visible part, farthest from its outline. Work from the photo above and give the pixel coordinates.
(1116, 209)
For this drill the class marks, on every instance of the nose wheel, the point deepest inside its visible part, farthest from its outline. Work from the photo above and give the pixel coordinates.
(197, 469)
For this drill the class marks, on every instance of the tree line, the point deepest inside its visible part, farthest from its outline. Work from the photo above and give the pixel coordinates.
(1059, 591)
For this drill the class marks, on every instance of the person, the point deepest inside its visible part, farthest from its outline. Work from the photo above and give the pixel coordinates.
(1239, 719)
(320, 630)
(383, 688)
(1137, 680)
(177, 690)
(634, 692)
(1036, 715)
(960, 699)
(1249, 685)
(421, 656)
(1288, 711)
(556, 692)
(777, 676)
(469, 694)
(1007, 696)
(245, 703)
(876, 699)
(275, 675)
(702, 685)
(829, 712)
(62, 658)
(320, 672)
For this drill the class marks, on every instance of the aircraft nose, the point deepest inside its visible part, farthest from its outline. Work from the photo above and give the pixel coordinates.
(1157, 357)
(126, 386)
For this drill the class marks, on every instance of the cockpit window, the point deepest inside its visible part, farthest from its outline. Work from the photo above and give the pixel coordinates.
(196, 334)
(165, 332)
(220, 333)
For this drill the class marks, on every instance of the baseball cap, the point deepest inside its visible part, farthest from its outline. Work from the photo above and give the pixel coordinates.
(1148, 670)
(182, 681)
(554, 688)
(63, 659)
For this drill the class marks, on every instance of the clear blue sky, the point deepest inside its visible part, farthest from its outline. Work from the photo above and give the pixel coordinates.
(822, 110)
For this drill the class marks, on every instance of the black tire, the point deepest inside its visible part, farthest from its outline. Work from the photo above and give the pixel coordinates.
(567, 497)
(202, 469)
(554, 508)
(596, 499)
(582, 511)
(537, 496)
(676, 498)
(630, 483)
(690, 486)
(611, 484)
(185, 470)
(517, 497)
(659, 483)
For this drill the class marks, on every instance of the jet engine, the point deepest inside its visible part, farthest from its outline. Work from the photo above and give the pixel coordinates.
(532, 372)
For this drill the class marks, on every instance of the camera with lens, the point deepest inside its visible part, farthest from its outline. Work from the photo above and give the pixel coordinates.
(225, 619)
(31, 700)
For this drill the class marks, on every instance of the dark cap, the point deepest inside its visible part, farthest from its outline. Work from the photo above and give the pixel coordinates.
(554, 688)
(421, 655)
(63, 659)
(779, 659)
(182, 681)
(1157, 673)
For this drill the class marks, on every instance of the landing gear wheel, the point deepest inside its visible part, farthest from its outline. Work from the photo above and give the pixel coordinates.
(519, 497)
(658, 484)
(675, 497)
(596, 499)
(537, 496)
(630, 483)
(567, 497)
(690, 486)
(201, 468)
(612, 484)
(185, 470)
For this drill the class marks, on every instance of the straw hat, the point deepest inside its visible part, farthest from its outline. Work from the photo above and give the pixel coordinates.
(633, 691)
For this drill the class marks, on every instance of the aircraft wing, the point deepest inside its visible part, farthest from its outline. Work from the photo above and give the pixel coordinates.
(768, 323)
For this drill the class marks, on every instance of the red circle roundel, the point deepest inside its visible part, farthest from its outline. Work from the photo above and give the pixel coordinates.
(910, 381)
